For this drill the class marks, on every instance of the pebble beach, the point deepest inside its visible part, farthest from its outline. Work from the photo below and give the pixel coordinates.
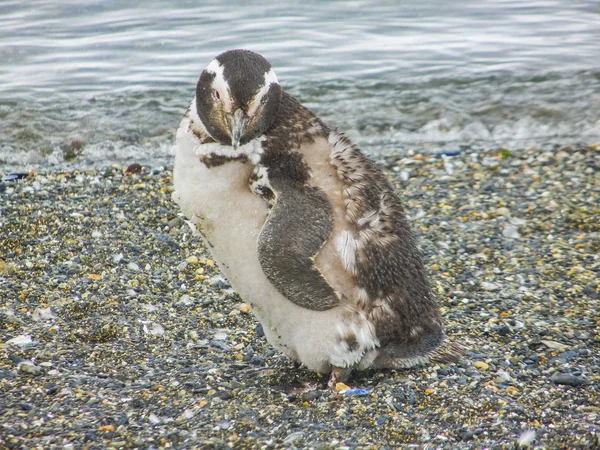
(118, 331)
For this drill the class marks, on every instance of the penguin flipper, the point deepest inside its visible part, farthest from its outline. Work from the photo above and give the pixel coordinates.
(299, 224)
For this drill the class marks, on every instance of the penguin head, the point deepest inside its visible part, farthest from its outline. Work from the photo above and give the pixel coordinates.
(237, 97)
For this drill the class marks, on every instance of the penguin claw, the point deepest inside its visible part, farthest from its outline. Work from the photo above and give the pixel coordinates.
(338, 375)
(333, 378)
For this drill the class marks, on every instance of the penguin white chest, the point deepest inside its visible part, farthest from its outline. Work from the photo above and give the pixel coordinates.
(218, 200)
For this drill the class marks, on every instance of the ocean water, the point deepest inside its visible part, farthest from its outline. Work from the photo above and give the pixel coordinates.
(396, 76)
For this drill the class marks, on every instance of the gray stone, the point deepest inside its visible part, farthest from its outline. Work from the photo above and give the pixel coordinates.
(569, 380)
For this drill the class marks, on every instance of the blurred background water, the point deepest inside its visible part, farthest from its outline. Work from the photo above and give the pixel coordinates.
(397, 76)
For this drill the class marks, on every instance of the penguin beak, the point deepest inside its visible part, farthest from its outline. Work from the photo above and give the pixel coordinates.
(237, 123)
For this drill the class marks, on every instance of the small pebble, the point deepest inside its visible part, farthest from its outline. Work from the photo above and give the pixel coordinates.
(154, 329)
(511, 232)
(22, 340)
(569, 380)
(220, 336)
(118, 258)
(224, 424)
(220, 345)
(6, 374)
(311, 395)
(341, 387)
(503, 330)
(29, 368)
(258, 329)
(257, 360)
(293, 438)
(503, 377)
(553, 344)
(481, 365)
(133, 168)
(490, 286)
(40, 314)
(185, 300)
(224, 395)
(133, 267)
(511, 390)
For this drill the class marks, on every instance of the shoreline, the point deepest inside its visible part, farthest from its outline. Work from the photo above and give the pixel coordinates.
(124, 335)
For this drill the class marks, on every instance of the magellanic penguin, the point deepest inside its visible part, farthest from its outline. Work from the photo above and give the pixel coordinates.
(307, 229)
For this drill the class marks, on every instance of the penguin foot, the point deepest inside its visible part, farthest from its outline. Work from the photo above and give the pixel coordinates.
(338, 375)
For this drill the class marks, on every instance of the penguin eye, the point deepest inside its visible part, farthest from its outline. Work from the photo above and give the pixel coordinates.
(215, 95)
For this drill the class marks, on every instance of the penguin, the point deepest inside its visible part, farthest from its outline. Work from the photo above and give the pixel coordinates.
(307, 229)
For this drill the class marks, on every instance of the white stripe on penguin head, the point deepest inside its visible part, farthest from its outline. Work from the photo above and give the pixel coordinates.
(219, 83)
(270, 78)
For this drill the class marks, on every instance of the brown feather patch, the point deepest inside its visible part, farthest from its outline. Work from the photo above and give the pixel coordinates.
(214, 160)
(389, 267)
